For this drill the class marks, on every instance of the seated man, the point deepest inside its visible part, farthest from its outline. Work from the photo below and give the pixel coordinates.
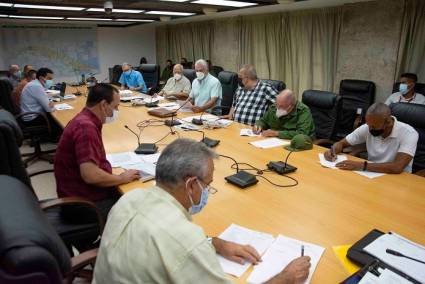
(30, 75)
(27, 68)
(287, 118)
(132, 79)
(167, 73)
(206, 89)
(252, 98)
(178, 85)
(14, 75)
(173, 250)
(390, 144)
(81, 168)
(407, 92)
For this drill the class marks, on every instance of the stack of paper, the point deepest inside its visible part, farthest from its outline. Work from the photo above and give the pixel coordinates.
(69, 97)
(63, 107)
(120, 159)
(169, 106)
(187, 106)
(248, 132)
(386, 277)
(270, 143)
(369, 174)
(329, 164)
(146, 164)
(126, 93)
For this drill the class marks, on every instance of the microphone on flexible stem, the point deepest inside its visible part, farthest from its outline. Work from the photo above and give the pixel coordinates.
(151, 104)
(143, 148)
(241, 179)
(171, 122)
(207, 141)
(282, 167)
(198, 121)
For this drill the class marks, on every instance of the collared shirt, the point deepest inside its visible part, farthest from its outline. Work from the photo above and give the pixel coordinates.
(133, 80)
(250, 105)
(34, 98)
(403, 139)
(206, 89)
(149, 238)
(17, 92)
(13, 80)
(399, 98)
(298, 121)
(174, 87)
(81, 142)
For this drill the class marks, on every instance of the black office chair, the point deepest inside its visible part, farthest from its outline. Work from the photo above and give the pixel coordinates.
(215, 70)
(6, 100)
(324, 108)
(419, 88)
(413, 114)
(189, 74)
(150, 74)
(30, 249)
(11, 164)
(229, 84)
(115, 74)
(188, 65)
(279, 86)
(356, 97)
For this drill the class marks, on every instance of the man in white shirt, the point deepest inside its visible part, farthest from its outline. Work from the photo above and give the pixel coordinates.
(406, 93)
(178, 85)
(149, 236)
(390, 144)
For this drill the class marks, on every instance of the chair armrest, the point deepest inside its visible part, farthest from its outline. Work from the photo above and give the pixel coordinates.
(44, 205)
(83, 259)
(42, 114)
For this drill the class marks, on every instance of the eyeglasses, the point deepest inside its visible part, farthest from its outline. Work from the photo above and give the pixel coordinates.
(211, 189)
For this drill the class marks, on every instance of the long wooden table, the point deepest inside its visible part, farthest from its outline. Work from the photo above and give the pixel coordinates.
(328, 207)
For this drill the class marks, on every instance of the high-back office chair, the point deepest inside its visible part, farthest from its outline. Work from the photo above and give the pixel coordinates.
(115, 74)
(413, 114)
(189, 74)
(229, 84)
(419, 88)
(324, 108)
(356, 97)
(150, 74)
(11, 164)
(279, 86)
(6, 100)
(30, 249)
(215, 70)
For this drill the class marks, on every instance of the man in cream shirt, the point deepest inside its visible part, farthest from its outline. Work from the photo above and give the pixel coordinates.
(149, 236)
(178, 85)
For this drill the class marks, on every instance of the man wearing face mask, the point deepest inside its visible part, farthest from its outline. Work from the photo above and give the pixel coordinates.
(167, 73)
(158, 222)
(206, 89)
(178, 85)
(406, 93)
(390, 144)
(287, 118)
(252, 98)
(81, 167)
(14, 75)
(132, 79)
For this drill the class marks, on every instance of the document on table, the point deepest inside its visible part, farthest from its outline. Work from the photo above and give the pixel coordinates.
(248, 132)
(386, 277)
(151, 158)
(69, 97)
(147, 170)
(126, 93)
(63, 107)
(187, 107)
(205, 117)
(243, 236)
(119, 159)
(400, 244)
(270, 143)
(369, 174)
(280, 254)
(53, 92)
(169, 106)
(331, 165)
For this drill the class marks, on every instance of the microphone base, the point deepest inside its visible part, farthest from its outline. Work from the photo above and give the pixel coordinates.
(197, 121)
(210, 142)
(146, 148)
(281, 167)
(155, 104)
(242, 179)
(173, 122)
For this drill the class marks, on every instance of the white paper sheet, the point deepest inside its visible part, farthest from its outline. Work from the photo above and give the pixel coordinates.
(53, 92)
(187, 107)
(398, 243)
(280, 254)
(151, 158)
(205, 117)
(234, 233)
(125, 93)
(146, 169)
(270, 143)
(369, 174)
(169, 106)
(69, 97)
(63, 107)
(331, 165)
(121, 159)
(248, 132)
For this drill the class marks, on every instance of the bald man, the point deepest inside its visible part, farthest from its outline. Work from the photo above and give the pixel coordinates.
(390, 144)
(285, 119)
(177, 86)
(132, 79)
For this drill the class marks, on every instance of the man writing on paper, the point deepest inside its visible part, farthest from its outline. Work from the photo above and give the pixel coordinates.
(178, 85)
(287, 118)
(206, 89)
(153, 228)
(390, 144)
(132, 79)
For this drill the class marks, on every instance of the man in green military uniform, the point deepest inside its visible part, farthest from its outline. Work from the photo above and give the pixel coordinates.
(285, 119)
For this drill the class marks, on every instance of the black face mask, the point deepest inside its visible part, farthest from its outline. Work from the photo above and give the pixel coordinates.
(240, 83)
(376, 132)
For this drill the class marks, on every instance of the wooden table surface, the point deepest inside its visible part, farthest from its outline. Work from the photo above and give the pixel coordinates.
(328, 207)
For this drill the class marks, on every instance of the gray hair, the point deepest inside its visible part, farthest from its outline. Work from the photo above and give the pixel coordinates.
(289, 95)
(125, 64)
(202, 62)
(250, 71)
(181, 159)
(379, 109)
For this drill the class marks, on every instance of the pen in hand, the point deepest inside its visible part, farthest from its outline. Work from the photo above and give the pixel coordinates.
(302, 250)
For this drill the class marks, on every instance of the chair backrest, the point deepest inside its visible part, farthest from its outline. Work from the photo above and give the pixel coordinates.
(229, 84)
(413, 114)
(279, 86)
(30, 248)
(150, 74)
(419, 88)
(115, 74)
(215, 70)
(189, 74)
(356, 97)
(6, 100)
(324, 108)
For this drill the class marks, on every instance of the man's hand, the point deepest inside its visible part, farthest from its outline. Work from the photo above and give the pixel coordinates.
(257, 129)
(235, 252)
(294, 273)
(270, 133)
(329, 155)
(132, 88)
(129, 176)
(350, 165)
(196, 109)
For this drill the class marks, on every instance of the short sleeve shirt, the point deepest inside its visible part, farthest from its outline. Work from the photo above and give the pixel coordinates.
(173, 86)
(204, 90)
(133, 80)
(399, 98)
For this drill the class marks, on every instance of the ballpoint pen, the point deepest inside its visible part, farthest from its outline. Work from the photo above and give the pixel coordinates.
(302, 250)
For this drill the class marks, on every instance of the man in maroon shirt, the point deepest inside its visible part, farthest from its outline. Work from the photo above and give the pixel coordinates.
(81, 168)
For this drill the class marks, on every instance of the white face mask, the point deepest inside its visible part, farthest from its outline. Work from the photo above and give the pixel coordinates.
(281, 112)
(200, 75)
(177, 76)
(110, 119)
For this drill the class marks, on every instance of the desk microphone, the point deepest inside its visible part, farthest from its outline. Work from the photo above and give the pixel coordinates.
(151, 104)
(241, 179)
(143, 148)
(207, 141)
(282, 167)
(198, 121)
(171, 122)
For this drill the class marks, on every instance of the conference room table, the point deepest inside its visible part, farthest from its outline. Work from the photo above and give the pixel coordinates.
(328, 207)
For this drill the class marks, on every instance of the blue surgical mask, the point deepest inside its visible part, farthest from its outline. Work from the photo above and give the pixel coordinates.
(128, 72)
(48, 84)
(404, 89)
(196, 208)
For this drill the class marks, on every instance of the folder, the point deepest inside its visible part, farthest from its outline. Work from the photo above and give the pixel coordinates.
(341, 254)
